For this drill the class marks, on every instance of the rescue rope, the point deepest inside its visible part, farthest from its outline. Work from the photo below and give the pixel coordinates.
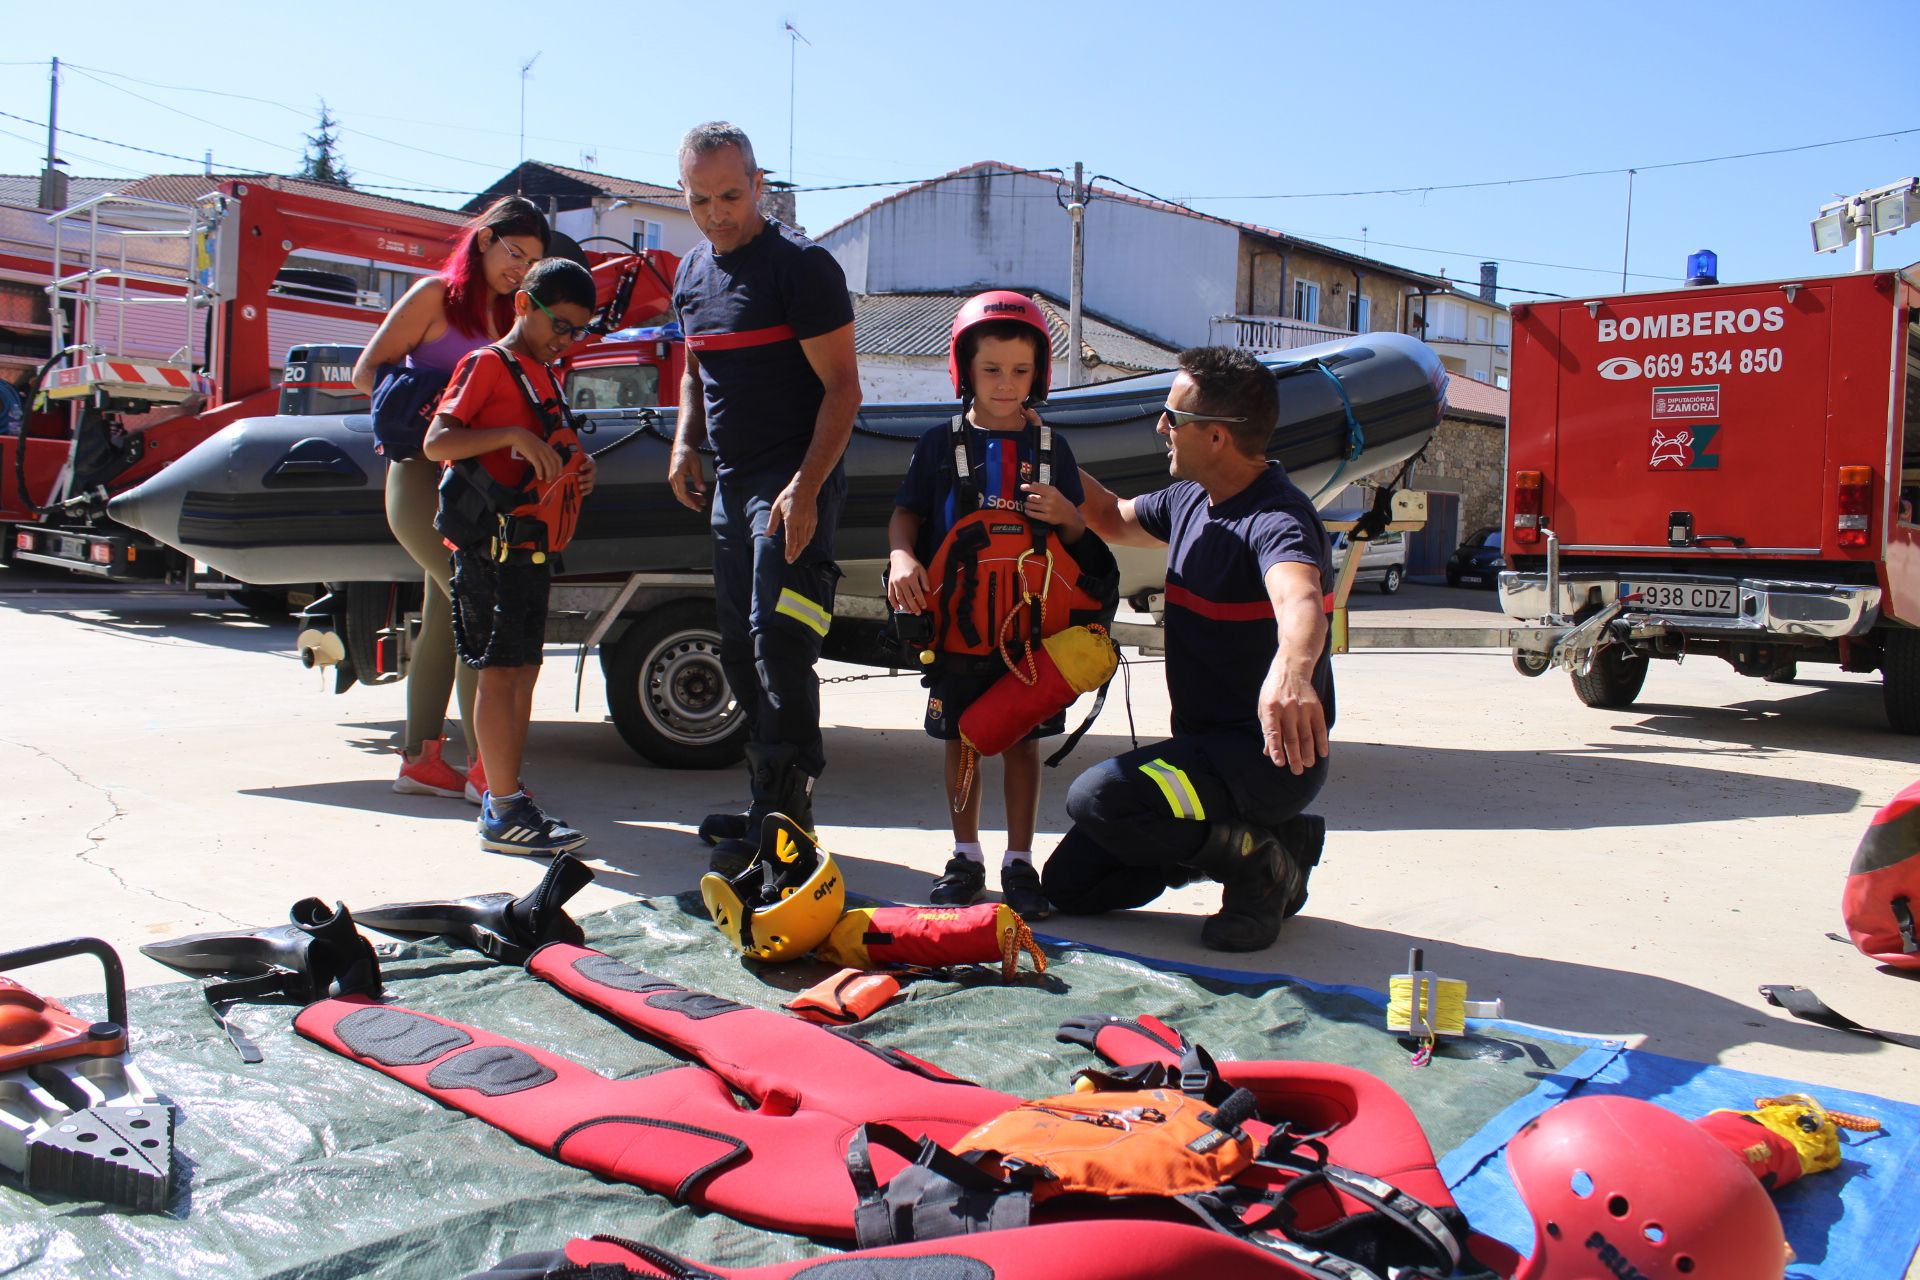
(1018, 939)
(1356, 435)
(1841, 1119)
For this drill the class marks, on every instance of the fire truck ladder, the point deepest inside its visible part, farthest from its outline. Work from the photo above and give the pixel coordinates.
(111, 255)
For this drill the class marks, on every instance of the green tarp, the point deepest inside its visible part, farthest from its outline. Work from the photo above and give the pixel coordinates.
(309, 1165)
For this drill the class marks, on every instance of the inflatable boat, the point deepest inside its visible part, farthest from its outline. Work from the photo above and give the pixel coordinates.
(301, 499)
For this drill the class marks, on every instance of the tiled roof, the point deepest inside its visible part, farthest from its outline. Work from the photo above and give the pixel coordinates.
(988, 168)
(519, 178)
(625, 188)
(185, 188)
(920, 324)
(1475, 401)
(24, 189)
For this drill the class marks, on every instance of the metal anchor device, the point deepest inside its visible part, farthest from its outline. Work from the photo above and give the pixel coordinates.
(76, 1118)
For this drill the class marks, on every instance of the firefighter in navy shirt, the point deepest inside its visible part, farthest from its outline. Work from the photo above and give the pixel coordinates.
(772, 384)
(1248, 675)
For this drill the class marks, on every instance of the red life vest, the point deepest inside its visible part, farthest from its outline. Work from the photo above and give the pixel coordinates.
(1001, 582)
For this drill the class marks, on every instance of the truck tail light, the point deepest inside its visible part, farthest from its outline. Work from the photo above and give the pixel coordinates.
(1525, 506)
(1856, 498)
(100, 553)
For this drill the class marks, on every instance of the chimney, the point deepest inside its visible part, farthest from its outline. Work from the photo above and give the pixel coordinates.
(777, 202)
(1489, 281)
(53, 188)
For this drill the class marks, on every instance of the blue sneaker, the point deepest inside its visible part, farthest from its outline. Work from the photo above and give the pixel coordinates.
(520, 827)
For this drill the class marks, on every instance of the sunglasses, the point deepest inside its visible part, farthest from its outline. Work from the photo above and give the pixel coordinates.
(561, 329)
(1181, 418)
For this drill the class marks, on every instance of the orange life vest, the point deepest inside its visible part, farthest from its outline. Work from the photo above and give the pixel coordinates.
(1002, 582)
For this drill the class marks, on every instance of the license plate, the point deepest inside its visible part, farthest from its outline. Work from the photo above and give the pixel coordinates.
(1684, 597)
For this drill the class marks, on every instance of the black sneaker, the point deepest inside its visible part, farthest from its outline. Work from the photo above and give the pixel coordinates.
(1020, 889)
(520, 827)
(961, 884)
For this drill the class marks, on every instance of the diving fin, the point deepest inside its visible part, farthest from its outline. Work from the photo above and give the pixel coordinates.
(317, 954)
(1125, 1041)
(497, 925)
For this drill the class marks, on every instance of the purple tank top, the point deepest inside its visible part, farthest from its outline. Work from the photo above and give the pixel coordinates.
(445, 351)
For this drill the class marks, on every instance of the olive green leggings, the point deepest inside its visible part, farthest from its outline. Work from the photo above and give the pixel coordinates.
(432, 670)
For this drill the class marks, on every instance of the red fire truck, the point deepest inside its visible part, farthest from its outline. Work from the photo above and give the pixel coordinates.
(171, 320)
(1726, 471)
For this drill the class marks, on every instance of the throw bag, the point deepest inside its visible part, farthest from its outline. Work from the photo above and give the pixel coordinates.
(931, 937)
(403, 403)
(1070, 663)
(1883, 885)
(1149, 1142)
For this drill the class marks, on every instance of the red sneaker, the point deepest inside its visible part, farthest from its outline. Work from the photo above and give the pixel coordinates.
(476, 789)
(429, 775)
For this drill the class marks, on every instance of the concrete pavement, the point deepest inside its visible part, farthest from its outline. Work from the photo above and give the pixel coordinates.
(166, 766)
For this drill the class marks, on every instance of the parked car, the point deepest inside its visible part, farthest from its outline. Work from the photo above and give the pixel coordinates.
(1383, 563)
(1477, 560)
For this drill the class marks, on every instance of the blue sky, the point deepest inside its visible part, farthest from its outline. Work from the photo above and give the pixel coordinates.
(1229, 105)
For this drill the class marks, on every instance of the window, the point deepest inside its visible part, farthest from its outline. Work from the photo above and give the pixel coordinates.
(1503, 331)
(647, 235)
(1480, 329)
(1360, 313)
(619, 386)
(1306, 301)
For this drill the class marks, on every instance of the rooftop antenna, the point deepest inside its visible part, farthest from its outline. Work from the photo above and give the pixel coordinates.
(794, 41)
(526, 69)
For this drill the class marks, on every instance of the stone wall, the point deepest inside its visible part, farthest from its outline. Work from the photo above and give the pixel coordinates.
(1470, 459)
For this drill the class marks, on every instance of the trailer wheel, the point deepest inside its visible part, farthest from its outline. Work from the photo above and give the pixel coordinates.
(1390, 583)
(1615, 679)
(669, 698)
(368, 607)
(1900, 680)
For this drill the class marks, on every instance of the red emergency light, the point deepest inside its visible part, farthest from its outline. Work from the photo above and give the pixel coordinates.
(1856, 499)
(1528, 487)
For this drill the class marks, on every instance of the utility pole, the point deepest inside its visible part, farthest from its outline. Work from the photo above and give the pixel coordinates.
(794, 41)
(53, 183)
(526, 69)
(1627, 240)
(1077, 211)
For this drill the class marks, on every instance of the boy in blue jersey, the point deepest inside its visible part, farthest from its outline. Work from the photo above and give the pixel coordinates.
(999, 359)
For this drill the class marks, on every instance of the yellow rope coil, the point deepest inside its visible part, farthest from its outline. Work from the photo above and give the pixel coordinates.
(1443, 1004)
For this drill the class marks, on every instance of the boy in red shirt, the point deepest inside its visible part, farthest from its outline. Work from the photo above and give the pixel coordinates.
(488, 414)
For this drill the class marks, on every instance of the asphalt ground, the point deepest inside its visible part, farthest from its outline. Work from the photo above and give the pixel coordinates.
(167, 766)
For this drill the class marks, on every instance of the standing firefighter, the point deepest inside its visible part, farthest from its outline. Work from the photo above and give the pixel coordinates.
(1248, 674)
(772, 385)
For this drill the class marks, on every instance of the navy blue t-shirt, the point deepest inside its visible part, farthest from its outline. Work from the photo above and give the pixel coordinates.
(1000, 461)
(1221, 634)
(745, 314)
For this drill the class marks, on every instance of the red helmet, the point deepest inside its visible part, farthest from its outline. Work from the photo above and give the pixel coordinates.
(1620, 1187)
(1000, 304)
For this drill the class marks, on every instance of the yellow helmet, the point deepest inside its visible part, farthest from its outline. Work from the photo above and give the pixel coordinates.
(787, 900)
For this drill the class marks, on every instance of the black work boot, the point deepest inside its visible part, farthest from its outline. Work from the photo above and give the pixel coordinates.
(779, 784)
(716, 827)
(1257, 882)
(1301, 839)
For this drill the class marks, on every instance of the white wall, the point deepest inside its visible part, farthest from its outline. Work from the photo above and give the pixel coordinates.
(678, 234)
(896, 379)
(1161, 274)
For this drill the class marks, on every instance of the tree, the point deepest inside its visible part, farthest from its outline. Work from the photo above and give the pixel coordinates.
(322, 160)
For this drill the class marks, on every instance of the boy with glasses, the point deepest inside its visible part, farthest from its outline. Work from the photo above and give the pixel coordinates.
(497, 412)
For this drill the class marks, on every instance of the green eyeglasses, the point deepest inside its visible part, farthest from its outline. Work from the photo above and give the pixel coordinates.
(561, 329)
(1180, 417)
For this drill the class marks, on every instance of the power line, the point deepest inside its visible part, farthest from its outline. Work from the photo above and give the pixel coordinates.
(125, 146)
(1562, 177)
(1489, 257)
(944, 177)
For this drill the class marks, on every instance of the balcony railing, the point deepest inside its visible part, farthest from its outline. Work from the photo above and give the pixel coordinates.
(1271, 333)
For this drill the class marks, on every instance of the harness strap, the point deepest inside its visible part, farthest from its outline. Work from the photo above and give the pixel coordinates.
(1073, 739)
(938, 1194)
(1808, 1007)
(966, 494)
